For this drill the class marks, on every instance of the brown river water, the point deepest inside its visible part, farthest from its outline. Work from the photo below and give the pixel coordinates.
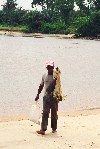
(22, 64)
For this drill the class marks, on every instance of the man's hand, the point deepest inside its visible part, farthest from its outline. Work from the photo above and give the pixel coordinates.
(37, 97)
(39, 91)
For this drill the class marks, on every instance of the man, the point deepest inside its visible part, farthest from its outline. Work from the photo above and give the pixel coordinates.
(49, 102)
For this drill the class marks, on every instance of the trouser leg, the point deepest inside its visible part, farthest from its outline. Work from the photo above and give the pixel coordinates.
(54, 116)
(45, 115)
(44, 121)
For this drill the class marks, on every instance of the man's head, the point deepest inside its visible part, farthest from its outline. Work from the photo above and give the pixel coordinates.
(50, 66)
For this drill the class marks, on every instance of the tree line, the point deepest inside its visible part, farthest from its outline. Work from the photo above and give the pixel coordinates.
(56, 16)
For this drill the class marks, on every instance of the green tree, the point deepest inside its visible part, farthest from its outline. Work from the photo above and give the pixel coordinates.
(94, 4)
(45, 4)
(80, 3)
(33, 20)
(62, 8)
(87, 25)
(8, 11)
(97, 4)
(10, 5)
(65, 9)
(83, 7)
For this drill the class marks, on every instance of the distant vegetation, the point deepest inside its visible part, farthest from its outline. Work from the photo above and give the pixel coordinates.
(57, 16)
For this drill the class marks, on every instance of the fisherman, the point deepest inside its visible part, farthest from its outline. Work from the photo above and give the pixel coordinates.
(49, 102)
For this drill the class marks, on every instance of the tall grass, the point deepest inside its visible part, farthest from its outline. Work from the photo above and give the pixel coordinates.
(14, 28)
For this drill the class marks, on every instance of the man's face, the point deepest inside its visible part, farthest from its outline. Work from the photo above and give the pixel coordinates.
(50, 69)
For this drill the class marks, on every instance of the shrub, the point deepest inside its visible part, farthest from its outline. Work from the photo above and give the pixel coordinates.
(53, 28)
(86, 26)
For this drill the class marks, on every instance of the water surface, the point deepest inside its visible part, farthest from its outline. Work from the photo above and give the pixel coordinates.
(22, 63)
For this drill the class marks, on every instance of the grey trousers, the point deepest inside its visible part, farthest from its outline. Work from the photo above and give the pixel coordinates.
(49, 102)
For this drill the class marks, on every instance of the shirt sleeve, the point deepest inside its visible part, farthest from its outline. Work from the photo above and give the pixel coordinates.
(42, 81)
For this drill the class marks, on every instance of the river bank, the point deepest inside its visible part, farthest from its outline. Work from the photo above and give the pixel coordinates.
(75, 132)
(40, 35)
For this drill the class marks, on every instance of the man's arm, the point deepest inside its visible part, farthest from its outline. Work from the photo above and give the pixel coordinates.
(39, 91)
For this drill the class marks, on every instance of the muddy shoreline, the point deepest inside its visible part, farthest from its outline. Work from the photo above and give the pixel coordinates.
(40, 35)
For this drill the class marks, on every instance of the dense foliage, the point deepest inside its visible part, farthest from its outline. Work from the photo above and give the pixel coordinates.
(57, 16)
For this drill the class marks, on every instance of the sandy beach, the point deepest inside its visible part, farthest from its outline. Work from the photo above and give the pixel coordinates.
(76, 130)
